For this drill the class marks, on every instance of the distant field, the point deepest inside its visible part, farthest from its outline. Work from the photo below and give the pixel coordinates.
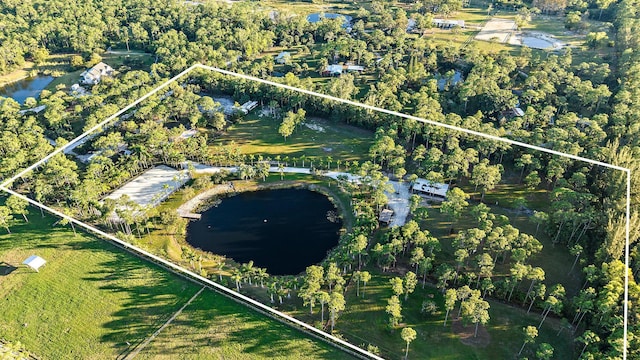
(259, 136)
(91, 298)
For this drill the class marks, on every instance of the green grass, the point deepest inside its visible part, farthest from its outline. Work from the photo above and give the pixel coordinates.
(88, 300)
(365, 321)
(233, 335)
(259, 136)
(91, 298)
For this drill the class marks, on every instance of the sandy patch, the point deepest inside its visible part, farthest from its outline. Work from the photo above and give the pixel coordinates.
(497, 29)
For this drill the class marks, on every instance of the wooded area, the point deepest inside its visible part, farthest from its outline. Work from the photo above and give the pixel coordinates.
(571, 101)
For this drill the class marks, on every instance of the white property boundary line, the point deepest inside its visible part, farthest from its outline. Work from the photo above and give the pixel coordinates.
(190, 274)
(8, 182)
(153, 336)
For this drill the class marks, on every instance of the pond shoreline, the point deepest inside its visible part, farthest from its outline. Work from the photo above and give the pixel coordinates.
(192, 208)
(14, 81)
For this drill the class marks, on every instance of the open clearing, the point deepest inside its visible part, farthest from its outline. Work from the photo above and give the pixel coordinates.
(259, 136)
(497, 29)
(91, 298)
(152, 186)
(366, 319)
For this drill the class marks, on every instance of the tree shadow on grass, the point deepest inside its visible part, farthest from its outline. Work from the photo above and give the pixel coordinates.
(213, 326)
(150, 297)
(6, 268)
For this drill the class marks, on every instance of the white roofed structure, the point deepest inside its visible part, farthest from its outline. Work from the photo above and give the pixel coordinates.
(385, 216)
(447, 23)
(333, 70)
(93, 75)
(35, 262)
(431, 189)
(152, 186)
(283, 57)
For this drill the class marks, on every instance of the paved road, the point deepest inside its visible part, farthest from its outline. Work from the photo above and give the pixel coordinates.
(398, 199)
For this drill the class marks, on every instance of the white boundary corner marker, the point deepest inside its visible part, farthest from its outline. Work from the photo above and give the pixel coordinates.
(9, 181)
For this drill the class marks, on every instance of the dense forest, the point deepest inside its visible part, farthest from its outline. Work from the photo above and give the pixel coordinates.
(585, 108)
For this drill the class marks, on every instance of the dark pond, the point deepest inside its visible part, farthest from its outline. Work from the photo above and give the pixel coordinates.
(315, 17)
(22, 89)
(281, 230)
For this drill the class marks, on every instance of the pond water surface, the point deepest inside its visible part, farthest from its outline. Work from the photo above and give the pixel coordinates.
(282, 230)
(315, 17)
(22, 89)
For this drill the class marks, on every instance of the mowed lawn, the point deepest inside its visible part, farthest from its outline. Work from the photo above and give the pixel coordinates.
(88, 301)
(212, 328)
(91, 298)
(259, 136)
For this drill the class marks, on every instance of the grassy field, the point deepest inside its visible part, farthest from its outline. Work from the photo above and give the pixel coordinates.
(91, 298)
(259, 136)
(233, 335)
(365, 321)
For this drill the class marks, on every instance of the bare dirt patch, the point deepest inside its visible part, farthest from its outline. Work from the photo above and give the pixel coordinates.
(466, 334)
(497, 29)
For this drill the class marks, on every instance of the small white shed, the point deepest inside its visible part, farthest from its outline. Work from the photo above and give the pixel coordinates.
(35, 262)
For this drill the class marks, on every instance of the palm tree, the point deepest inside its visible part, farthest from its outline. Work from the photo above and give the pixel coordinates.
(281, 170)
(408, 335)
(220, 266)
(323, 298)
(5, 217)
(262, 275)
(272, 289)
(248, 271)
(236, 276)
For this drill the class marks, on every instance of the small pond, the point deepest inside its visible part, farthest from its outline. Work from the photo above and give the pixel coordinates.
(282, 230)
(22, 89)
(315, 17)
(451, 81)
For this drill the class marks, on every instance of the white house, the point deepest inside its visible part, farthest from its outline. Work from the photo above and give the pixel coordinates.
(356, 68)
(283, 57)
(92, 76)
(431, 189)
